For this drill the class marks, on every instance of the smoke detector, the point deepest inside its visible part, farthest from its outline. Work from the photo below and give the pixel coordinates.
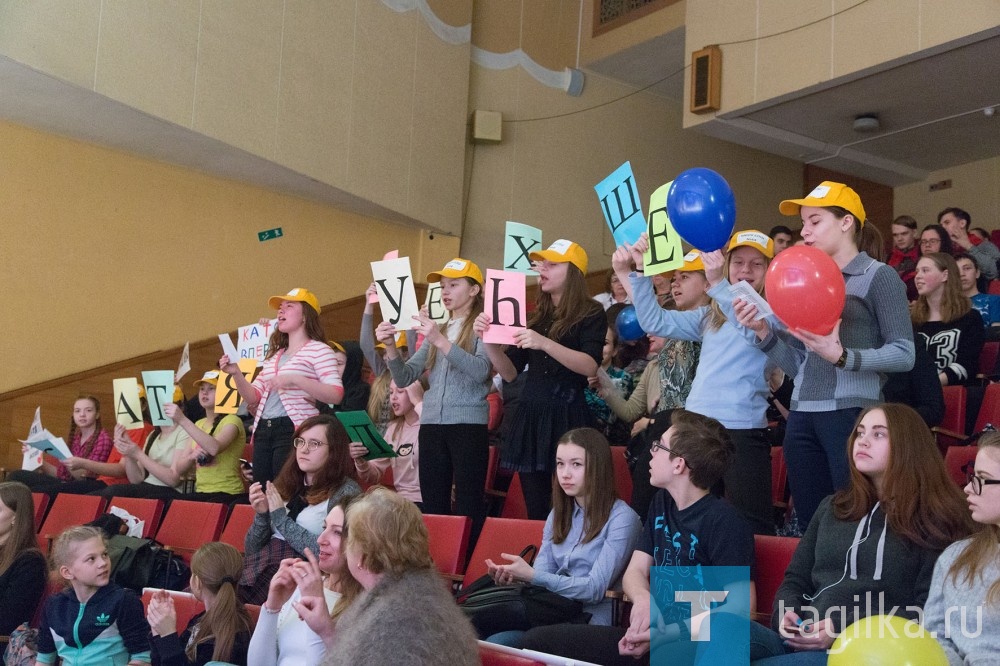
(866, 123)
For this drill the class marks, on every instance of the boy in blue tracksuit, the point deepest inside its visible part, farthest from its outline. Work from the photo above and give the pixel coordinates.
(93, 621)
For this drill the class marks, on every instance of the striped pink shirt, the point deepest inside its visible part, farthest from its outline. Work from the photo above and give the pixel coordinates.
(314, 360)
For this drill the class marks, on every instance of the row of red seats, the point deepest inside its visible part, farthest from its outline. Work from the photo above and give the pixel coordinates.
(184, 526)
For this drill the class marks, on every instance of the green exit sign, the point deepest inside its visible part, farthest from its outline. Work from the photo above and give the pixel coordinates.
(270, 234)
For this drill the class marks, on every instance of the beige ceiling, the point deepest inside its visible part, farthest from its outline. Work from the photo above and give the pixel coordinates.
(930, 106)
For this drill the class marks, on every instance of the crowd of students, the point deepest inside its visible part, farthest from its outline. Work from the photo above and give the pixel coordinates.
(330, 565)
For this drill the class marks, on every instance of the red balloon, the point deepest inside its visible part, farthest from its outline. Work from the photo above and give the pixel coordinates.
(805, 288)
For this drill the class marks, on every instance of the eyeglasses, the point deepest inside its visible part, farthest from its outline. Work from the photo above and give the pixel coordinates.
(977, 483)
(663, 447)
(927, 242)
(310, 445)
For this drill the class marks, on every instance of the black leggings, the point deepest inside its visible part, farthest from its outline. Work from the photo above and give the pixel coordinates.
(43, 483)
(458, 451)
(272, 442)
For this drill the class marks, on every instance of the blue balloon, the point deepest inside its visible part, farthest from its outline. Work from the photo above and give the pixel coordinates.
(627, 324)
(702, 208)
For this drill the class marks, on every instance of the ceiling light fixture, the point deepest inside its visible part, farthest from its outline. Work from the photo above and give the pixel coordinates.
(866, 123)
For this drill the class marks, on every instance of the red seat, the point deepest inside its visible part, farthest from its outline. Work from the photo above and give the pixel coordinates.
(67, 511)
(491, 467)
(956, 459)
(185, 605)
(253, 610)
(988, 358)
(150, 511)
(994, 287)
(495, 403)
(513, 504)
(41, 501)
(989, 412)
(623, 475)
(188, 525)
(772, 555)
(501, 535)
(955, 399)
(238, 525)
(449, 541)
(779, 476)
(499, 655)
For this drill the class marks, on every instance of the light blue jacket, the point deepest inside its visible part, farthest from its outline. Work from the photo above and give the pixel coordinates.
(730, 385)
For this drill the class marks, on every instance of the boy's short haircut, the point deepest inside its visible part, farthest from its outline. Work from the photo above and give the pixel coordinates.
(780, 229)
(62, 547)
(705, 446)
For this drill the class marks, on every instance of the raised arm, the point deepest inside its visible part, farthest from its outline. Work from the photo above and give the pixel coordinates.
(213, 444)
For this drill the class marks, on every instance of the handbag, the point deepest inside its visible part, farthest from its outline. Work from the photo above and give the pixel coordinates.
(493, 608)
(23, 647)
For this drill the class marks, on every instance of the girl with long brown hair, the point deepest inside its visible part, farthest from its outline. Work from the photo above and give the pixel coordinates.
(872, 545)
(588, 537)
(222, 632)
(299, 369)
(454, 440)
(290, 510)
(561, 348)
(965, 590)
(22, 566)
(945, 322)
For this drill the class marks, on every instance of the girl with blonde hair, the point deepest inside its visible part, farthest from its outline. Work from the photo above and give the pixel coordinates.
(454, 440)
(967, 575)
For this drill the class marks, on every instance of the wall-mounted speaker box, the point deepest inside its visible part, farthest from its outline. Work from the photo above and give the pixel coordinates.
(706, 80)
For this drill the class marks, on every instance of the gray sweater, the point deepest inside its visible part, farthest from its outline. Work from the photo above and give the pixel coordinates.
(409, 619)
(459, 383)
(955, 610)
(839, 566)
(299, 538)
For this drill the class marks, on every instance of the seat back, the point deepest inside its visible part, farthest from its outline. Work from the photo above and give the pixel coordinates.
(449, 541)
(623, 475)
(501, 535)
(66, 511)
(41, 501)
(150, 511)
(955, 460)
(779, 476)
(495, 403)
(994, 286)
(237, 526)
(499, 655)
(988, 357)
(188, 525)
(491, 467)
(955, 398)
(185, 605)
(772, 555)
(253, 610)
(513, 504)
(989, 410)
